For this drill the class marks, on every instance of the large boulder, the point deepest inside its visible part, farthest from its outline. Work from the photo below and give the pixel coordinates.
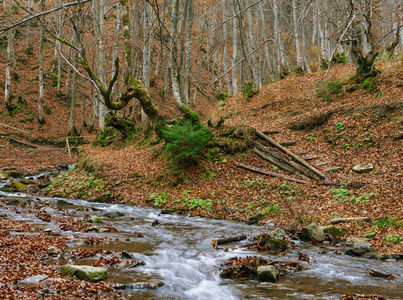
(360, 251)
(356, 242)
(87, 273)
(273, 244)
(267, 273)
(17, 186)
(363, 167)
(313, 232)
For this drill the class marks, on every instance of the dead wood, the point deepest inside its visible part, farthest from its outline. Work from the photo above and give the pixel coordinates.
(312, 157)
(296, 168)
(323, 163)
(288, 143)
(216, 242)
(17, 142)
(265, 172)
(332, 169)
(271, 132)
(294, 156)
(344, 220)
(274, 161)
(378, 273)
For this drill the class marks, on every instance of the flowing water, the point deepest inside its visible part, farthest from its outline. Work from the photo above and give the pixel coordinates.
(178, 253)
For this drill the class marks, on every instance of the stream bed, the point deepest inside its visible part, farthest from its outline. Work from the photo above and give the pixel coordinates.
(178, 253)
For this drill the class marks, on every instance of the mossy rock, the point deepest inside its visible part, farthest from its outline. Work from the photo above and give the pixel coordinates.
(17, 186)
(273, 244)
(42, 169)
(26, 181)
(3, 176)
(95, 219)
(17, 202)
(334, 230)
(115, 214)
(87, 273)
(15, 174)
(63, 202)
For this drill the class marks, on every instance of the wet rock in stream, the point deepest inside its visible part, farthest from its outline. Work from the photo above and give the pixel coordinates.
(313, 233)
(17, 186)
(267, 273)
(151, 285)
(87, 273)
(17, 201)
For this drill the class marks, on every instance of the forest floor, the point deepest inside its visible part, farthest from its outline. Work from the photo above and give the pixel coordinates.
(364, 125)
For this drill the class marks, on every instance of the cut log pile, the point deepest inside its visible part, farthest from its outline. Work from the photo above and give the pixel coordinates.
(291, 163)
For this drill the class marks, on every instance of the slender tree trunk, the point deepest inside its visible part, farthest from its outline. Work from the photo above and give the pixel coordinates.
(8, 95)
(41, 117)
(188, 52)
(225, 50)
(234, 52)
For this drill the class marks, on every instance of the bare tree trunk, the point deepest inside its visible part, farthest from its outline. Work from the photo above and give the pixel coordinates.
(225, 54)
(8, 95)
(188, 52)
(146, 59)
(234, 52)
(41, 117)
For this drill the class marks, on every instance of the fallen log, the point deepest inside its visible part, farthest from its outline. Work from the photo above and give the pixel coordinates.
(311, 157)
(288, 143)
(294, 156)
(265, 172)
(14, 141)
(323, 163)
(274, 161)
(344, 220)
(331, 169)
(378, 273)
(295, 168)
(216, 242)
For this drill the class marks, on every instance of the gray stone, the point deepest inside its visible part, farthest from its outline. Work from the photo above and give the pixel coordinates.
(356, 242)
(277, 234)
(35, 279)
(312, 232)
(394, 256)
(363, 167)
(87, 273)
(115, 214)
(53, 250)
(17, 202)
(361, 251)
(93, 228)
(63, 202)
(127, 255)
(42, 169)
(267, 273)
(47, 230)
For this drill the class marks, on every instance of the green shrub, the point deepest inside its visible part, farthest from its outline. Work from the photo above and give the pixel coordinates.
(184, 143)
(221, 97)
(105, 137)
(368, 85)
(333, 87)
(338, 58)
(248, 91)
